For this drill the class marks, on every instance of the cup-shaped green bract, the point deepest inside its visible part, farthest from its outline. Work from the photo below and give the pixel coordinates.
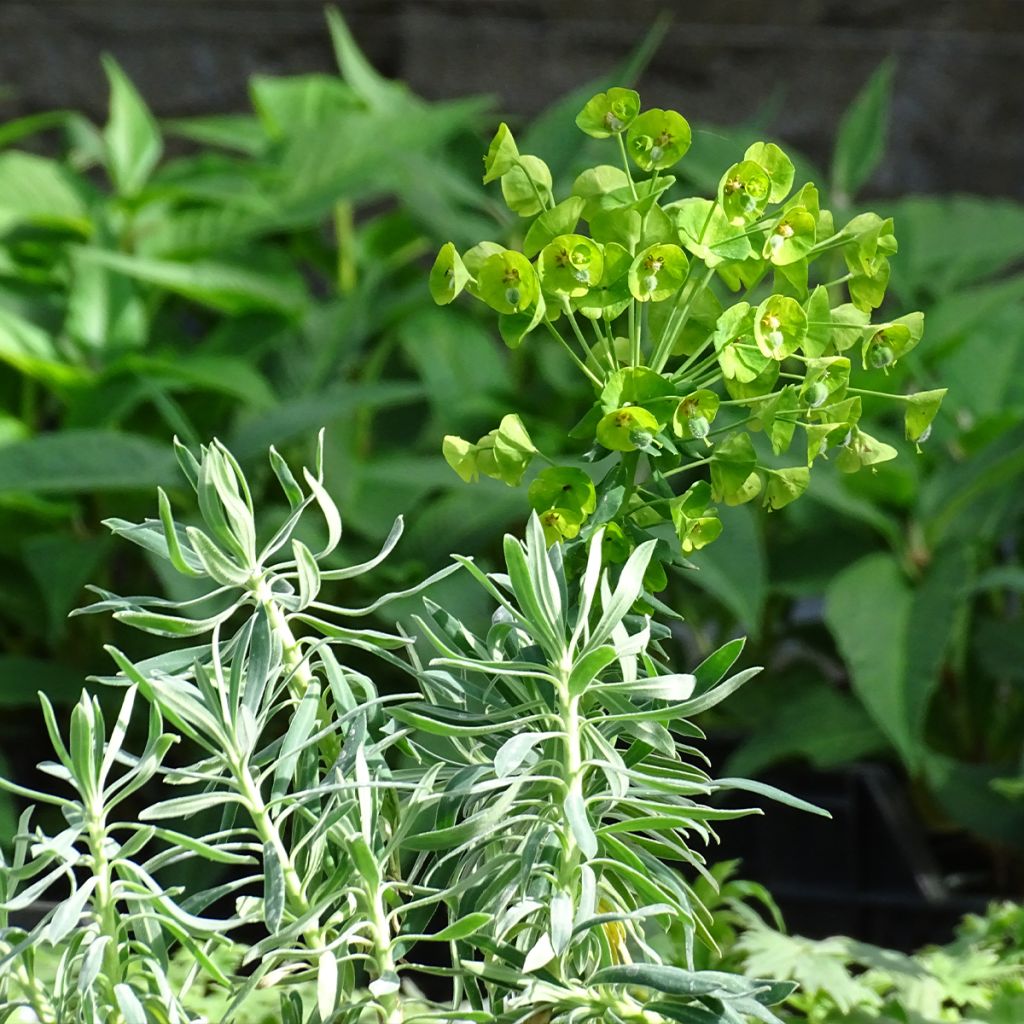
(694, 415)
(563, 498)
(825, 380)
(776, 164)
(563, 487)
(527, 186)
(639, 386)
(448, 276)
(892, 341)
(658, 139)
(861, 449)
(460, 454)
(780, 324)
(657, 273)
(609, 113)
(734, 477)
(627, 429)
(502, 154)
(920, 412)
(783, 486)
(612, 296)
(695, 521)
(508, 282)
(738, 353)
(560, 524)
(791, 238)
(570, 266)
(744, 192)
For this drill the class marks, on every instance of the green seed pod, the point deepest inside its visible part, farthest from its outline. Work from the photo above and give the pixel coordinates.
(816, 395)
(881, 356)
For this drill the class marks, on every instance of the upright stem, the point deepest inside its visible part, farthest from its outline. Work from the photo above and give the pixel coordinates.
(572, 769)
(390, 1004)
(103, 903)
(269, 834)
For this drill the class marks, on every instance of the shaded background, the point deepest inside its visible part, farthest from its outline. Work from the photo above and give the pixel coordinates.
(958, 98)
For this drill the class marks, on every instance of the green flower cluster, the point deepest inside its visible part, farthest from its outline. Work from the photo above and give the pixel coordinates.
(714, 332)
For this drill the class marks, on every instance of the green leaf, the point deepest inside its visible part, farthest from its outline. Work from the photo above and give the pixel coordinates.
(133, 139)
(33, 352)
(463, 928)
(230, 288)
(514, 751)
(39, 191)
(326, 984)
(84, 461)
(128, 1003)
(862, 133)
(502, 154)
(736, 572)
(579, 823)
(273, 888)
(867, 608)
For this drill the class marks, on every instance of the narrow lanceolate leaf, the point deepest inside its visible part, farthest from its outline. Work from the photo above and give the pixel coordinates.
(515, 750)
(778, 795)
(579, 823)
(128, 1003)
(273, 888)
(326, 984)
(464, 927)
(299, 730)
(541, 954)
(308, 574)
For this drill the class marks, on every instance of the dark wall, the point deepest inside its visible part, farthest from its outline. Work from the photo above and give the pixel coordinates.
(959, 107)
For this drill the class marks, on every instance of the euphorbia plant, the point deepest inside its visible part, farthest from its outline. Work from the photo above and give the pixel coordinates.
(521, 806)
(715, 332)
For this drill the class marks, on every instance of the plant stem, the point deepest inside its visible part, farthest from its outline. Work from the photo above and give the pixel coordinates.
(579, 335)
(572, 773)
(673, 330)
(572, 355)
(390, 1004)
(625, 165)
(269, 834)
(689, 465)
(103, 904)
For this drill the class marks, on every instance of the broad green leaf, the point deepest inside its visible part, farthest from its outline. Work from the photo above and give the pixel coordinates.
(38, 191)
(84, 461)
(132, 137)
(868, 608)
(230, 288)
(862, 133)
